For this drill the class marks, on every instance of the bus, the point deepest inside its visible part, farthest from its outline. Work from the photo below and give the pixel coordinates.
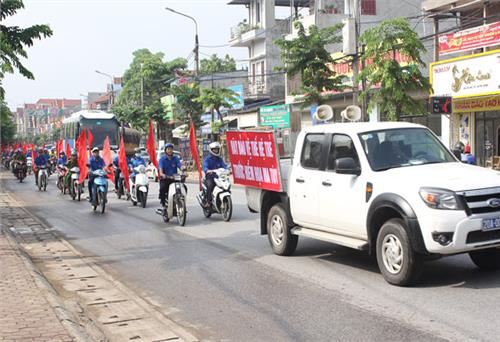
(102, 125)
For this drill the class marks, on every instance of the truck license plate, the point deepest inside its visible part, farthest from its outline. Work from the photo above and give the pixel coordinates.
(491, 224)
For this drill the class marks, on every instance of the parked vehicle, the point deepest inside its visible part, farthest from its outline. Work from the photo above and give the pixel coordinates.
(221, 196)
(100, 191)
(176, 202)
(42, 177)
(75, 188)
(392, 189)
(139, 189)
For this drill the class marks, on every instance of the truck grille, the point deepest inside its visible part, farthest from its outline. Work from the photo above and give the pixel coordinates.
(477, 200)
(480, 236)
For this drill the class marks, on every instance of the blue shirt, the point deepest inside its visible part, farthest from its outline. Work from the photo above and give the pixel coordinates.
(62, 160)
(46, 156)
(212, 163)
(169, 166)
(136, 161)
(40, 160)
(116, 161)
(96, 163)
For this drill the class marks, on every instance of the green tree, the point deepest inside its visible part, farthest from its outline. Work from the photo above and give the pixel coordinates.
(145, 83)
(13, 41)
(7, 125)
(214, 99)
(214, 64)
(186, 107)
(307, 56)
(396, 81)
(55, 134)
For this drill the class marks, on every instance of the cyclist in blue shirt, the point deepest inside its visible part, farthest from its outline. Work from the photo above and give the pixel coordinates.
(95, 163)
(62, 158)
(168, 166)
(210, 164)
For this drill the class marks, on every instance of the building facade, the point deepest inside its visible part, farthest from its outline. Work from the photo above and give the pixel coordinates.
(467, 70)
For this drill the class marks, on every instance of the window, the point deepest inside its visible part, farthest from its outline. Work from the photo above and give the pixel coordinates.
(342, 147)
(257, 13)
(312, 151)
(262, 72)
(368, 7)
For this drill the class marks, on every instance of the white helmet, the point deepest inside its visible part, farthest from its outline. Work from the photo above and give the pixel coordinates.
(214, 149)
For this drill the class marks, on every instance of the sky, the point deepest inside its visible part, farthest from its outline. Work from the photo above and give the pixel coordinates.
(101, 35)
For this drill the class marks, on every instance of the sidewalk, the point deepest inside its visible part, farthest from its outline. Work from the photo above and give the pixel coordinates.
(25, 313)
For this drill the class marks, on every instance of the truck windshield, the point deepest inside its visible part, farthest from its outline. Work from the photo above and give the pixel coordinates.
(391, 148)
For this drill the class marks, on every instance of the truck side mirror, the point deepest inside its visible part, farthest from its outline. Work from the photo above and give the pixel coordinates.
(347, 166)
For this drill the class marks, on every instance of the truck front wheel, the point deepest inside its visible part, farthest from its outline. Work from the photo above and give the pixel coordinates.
(486, 259)
(398, 262)
(282, 240)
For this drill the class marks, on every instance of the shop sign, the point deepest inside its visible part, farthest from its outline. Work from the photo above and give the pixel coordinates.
(473, 75)
(480, 104)
(441, 105)
(254, 159)
(470, 39)
(275, 116)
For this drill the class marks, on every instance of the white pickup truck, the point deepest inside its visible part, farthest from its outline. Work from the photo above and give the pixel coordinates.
(392, 189)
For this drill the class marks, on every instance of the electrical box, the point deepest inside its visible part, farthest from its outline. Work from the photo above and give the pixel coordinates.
(349, 36)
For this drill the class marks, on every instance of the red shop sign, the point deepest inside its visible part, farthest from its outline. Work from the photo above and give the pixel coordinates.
(254, 159)
(474, 38)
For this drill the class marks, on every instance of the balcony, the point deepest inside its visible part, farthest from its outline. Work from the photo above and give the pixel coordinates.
(243, 34)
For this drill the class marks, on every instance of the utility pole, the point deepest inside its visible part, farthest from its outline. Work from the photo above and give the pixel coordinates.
(355, 62)
(436, 38)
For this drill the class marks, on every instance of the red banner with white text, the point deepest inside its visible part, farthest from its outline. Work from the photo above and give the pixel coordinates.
(470, 39)
(254, 159)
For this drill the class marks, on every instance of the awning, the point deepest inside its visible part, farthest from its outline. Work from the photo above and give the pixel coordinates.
(230, 118)
(180, 132)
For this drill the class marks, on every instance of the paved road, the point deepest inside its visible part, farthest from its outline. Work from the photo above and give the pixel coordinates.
(221, 279)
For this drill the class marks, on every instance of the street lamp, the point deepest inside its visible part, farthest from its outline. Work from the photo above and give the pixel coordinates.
(111, 94)
(196, 43)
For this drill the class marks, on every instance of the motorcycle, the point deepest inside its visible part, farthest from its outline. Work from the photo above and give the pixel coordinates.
(42, 177)
(176, 202)
(6, 162)
(75, 188)
(20, 170)
(100, 191)
(221, 196)
(139, 189)
(121, 186)
(61, 173)
(29, 163)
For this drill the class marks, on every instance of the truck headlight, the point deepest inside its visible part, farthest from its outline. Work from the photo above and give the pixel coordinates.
(441, 199)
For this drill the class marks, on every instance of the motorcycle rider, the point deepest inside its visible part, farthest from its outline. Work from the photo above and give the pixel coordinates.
(40, 160)
(135, 161)
(62, 158)
(18, 157)
(210, 164)
(71, 163)
(168, 166)
(118, 171)
(95, 163)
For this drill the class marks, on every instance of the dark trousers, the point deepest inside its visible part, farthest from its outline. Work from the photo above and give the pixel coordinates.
(117, 178)
(164, 185)
(91, 185)
(210, 183)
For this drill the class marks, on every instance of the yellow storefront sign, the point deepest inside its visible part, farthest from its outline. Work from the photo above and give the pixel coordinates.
(476, 104)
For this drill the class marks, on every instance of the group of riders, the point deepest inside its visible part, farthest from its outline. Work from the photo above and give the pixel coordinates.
(168, 166)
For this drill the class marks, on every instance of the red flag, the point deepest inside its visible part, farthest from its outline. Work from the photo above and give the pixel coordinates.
(150, 145)
(194, 149)
(68, 150)
(122, 162)
(16, 146)
(82, 156)
(25, 149)
(8, 149)
(33, 157)
(90, 139)
(108, 158)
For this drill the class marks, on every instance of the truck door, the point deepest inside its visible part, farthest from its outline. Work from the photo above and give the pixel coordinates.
(305, 180)
(342, 197)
